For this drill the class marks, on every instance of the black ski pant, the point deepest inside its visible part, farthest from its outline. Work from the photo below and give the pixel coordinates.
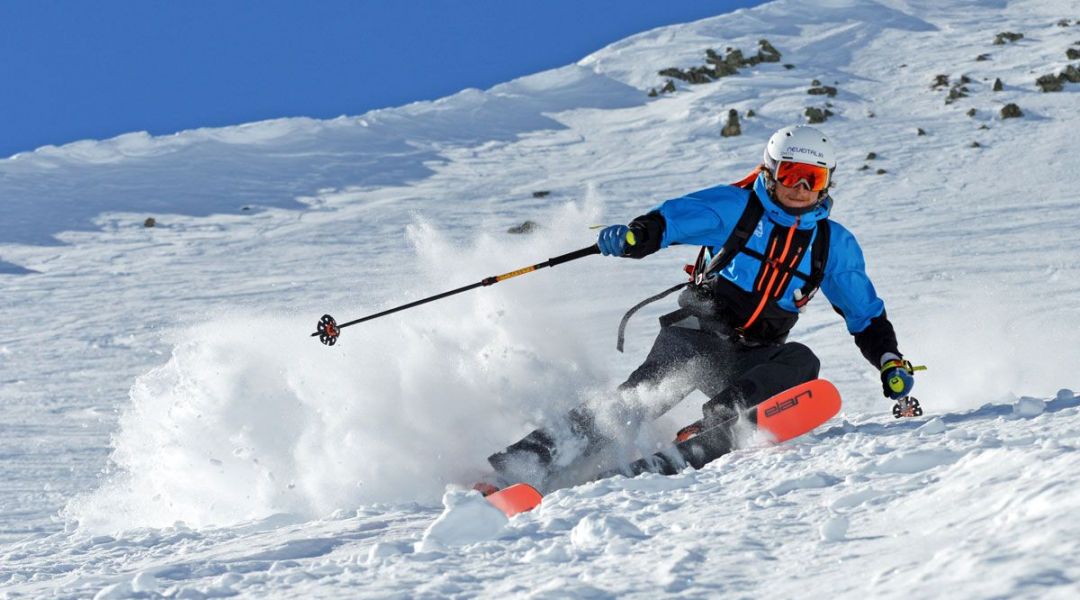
(731, 373)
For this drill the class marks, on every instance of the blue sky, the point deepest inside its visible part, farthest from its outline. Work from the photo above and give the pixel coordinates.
(73, 69)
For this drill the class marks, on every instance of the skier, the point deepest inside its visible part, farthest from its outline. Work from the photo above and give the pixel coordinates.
(767, 247)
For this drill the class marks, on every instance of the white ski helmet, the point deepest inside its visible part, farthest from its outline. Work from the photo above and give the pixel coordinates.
(801, 144)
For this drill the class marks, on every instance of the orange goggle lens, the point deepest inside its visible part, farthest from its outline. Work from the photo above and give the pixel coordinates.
(793, 174)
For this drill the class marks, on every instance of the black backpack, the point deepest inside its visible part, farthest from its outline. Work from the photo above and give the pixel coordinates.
(736, 243)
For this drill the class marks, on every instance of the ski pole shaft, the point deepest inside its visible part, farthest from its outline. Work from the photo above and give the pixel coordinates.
(328, 330)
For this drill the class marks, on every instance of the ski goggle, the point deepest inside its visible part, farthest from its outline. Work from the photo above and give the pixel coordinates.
(793, 174)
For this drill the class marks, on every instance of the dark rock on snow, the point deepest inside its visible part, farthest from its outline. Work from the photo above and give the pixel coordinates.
(526, 227)
(825, 90)
(1007, 36)
(1011, 111)
(817, 115)
(732, 127)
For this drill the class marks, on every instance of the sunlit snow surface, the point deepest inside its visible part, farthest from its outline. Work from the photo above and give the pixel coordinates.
(169, 428)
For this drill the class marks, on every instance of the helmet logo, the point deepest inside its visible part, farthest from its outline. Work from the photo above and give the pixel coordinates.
(797, 150)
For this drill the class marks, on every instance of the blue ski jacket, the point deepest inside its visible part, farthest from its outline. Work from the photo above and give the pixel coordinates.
(758, 298)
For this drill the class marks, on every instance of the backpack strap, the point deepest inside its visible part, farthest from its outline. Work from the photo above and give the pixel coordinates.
(626, 318)
(735, 243)
(744, 228)
(819, 257)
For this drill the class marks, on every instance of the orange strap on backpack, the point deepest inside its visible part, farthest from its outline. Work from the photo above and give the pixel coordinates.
(748, 181)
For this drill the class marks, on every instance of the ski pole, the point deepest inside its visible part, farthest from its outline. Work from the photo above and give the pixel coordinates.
(328, 330)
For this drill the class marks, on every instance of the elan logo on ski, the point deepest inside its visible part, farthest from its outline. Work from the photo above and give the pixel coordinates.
(787, 415)
(798, 410)
(786, 404)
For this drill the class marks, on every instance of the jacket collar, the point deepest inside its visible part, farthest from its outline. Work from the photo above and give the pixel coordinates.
(780, 216)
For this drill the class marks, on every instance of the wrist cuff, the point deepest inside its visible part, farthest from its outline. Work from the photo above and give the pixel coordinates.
(888, 357)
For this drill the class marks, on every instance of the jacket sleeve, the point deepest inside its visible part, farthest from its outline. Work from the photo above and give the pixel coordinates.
(851, 293)
(696, 219)
(703, 218)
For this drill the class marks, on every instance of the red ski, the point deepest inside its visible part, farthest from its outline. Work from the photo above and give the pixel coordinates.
(798, 410)
(787, 415)
(515, 499)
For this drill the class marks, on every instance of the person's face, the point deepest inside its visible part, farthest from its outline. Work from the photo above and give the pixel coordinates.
(799, 196)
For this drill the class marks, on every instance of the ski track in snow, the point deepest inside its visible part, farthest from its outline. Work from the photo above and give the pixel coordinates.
(169, 428)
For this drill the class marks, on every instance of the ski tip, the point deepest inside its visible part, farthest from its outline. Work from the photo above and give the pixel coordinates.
(515, 499)
(798, 410)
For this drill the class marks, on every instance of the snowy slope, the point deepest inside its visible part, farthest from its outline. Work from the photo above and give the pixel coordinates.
(168, 427)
